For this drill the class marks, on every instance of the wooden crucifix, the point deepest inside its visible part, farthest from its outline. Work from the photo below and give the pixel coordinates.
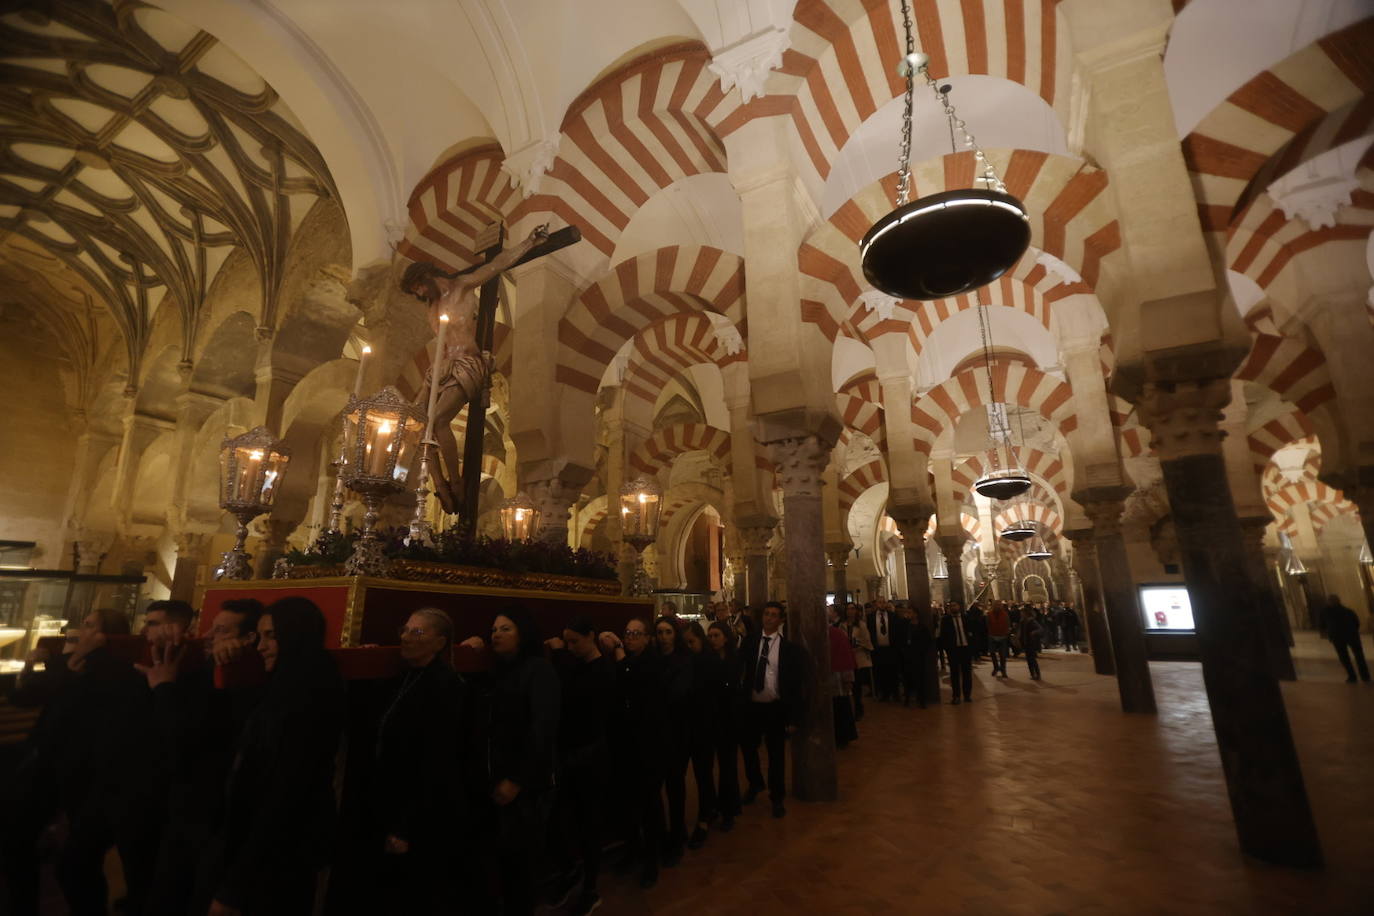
(462, 371)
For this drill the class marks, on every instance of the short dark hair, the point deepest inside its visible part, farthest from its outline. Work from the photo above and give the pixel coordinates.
(782, 611)
(581, 625)
(250, 608)
(177, 611)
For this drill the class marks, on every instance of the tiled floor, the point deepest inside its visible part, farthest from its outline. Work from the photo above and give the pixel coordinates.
(1043, 798)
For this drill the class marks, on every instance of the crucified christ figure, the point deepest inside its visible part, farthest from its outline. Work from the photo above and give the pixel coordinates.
(463, 368)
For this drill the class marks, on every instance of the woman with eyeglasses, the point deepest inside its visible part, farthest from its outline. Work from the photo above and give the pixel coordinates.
(639, 735)
(417, 793)
(676, 675)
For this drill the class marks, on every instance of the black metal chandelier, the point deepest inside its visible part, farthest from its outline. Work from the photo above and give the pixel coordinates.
(1002, 481)
(949, 243)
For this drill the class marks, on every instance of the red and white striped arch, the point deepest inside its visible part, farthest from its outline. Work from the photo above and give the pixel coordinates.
(1282, 501)
(1040, 513)
(453, 203)
(1322, 513)
(1312, 101)
(860, 403)
(631, 134)
(1047, 467)
(658, 451)
(1265, 242)
(668, 348)
(1287, 428)
(940, 408)
(857, 482)
(842, 63)
(1071, 218)
(1298, 374)
(636, 294)
(967, 521)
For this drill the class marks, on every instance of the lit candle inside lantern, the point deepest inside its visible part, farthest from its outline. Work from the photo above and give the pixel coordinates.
(358, 380)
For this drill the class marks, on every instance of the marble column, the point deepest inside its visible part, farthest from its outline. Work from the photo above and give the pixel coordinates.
(1104, 506)
(952, 546)
(755, 540)
(554, 499)
(800, 463)
(1269, 613)
(273, 545)
(1092, 612)
(1263, 777)
(190, 550)
(912, 522)
(874, 584)
(838, 555)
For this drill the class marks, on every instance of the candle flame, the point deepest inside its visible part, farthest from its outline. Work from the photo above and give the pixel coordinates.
(256, 454)
(443, 316)
(366, 349)
(519, 515)
(644, 497)
(385, 428)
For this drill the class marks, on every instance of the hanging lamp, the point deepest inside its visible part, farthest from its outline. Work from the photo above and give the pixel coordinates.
(1022, 530)
(1365, 558)
(1001, 481)
(1037, 550)
(941, 568)
(949, 243)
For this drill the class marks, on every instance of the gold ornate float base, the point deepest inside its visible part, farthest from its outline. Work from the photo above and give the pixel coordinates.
(477, 576)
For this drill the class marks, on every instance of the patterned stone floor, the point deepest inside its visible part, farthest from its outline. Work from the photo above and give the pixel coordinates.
(1043, 798)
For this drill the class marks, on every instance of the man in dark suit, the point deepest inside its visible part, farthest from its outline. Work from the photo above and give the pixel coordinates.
(952, 635)
(775, 695)
(886, 629)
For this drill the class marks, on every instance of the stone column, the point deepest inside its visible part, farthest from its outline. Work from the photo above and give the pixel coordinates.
(952, 546)
(800, 463)
(754, 539)
(838, 555)
(190, 550)
(91, 548)
(1104, 507)
(273, 545)
(912, 522)
(1263, 777)
(1093, 614)
(553, 498)
(873, 584)
(1269, 613)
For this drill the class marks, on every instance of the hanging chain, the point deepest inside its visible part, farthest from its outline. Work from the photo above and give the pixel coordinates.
(986, 333)
(913, 62)
(904, 155)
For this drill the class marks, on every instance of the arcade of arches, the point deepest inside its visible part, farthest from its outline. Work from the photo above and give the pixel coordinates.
(207, 205)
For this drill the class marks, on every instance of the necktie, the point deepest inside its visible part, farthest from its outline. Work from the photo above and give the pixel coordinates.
(761, 672)
(882, 623)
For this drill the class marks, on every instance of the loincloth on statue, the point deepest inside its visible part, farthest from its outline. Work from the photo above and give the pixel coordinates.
(465, 371)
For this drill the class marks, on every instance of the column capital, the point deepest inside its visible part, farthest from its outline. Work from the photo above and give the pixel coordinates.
(951, 545)
(191, 544)
(800, 462)
(755, 539)
(1184, 417)
(838, 555)
(1104, 507)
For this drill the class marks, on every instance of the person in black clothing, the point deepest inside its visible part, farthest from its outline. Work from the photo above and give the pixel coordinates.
(1030, 631)
(1070, 625)
(951, 632)
(884, 628)
(417, 790)
(103, 754)
(589, 696)
(639, 740)
(524, 706)
(279, 813)
(916, 657)
(701, 711)
(198, 726)
(775, 681)
(725, 720)
(676, 675)
(1343, 629)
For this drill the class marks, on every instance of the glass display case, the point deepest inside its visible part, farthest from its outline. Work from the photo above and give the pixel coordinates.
(35, 603)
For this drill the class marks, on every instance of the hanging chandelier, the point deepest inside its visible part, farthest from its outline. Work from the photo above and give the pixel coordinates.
(1037, 550)
(1002, 481)
(1022, 530)
(949, 243)
(941, 568)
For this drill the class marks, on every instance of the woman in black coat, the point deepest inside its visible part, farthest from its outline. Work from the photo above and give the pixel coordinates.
(706, 667)
(675, 673)
(279, 821)
(524, 706)
(417, 789)
(727, 698)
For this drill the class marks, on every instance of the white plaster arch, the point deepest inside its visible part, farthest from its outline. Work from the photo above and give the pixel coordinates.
(958, 337)
(701, 209)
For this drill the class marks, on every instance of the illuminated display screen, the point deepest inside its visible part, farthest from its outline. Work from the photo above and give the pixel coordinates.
(1166, 607)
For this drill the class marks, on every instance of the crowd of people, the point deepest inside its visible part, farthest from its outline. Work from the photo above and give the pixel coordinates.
(214, 767)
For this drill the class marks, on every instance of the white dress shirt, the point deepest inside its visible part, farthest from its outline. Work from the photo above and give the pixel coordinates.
(769, 647)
